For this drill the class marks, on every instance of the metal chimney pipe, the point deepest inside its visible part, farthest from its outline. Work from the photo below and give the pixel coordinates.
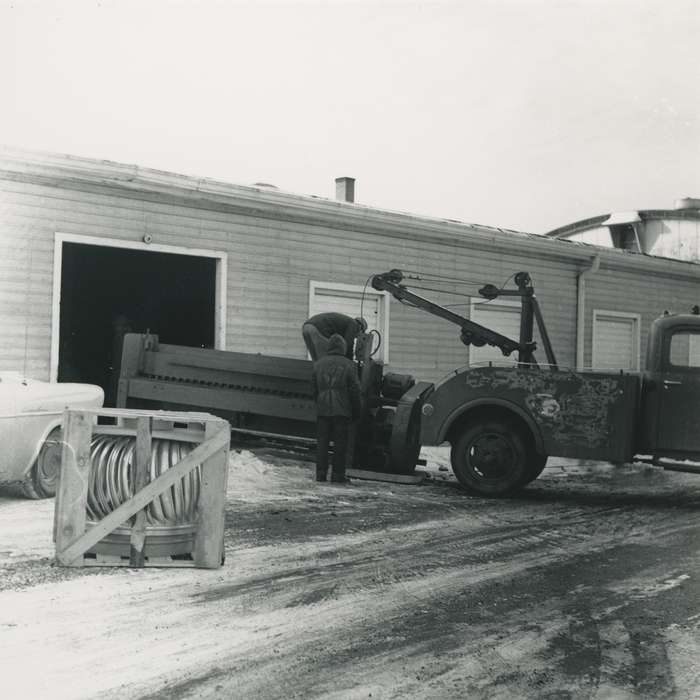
(345, 189)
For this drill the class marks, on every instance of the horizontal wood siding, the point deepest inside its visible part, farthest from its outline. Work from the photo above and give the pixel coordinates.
(648, 296)
(270, 264)
(26, 257)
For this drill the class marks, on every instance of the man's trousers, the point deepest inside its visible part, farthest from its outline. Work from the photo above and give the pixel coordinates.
(334, 428)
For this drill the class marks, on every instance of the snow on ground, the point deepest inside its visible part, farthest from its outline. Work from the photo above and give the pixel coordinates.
(398, 591)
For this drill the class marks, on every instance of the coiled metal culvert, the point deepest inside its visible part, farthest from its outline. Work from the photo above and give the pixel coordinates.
(112, 478)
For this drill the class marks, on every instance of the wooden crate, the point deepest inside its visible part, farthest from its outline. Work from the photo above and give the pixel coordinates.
(76, 539)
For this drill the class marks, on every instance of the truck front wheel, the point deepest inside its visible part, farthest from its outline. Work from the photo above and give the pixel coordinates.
(490, 458)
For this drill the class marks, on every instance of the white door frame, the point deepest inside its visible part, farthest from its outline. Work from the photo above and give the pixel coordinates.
(61, 238)
(384, 297)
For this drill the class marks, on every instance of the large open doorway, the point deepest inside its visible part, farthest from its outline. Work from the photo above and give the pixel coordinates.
(107, 291)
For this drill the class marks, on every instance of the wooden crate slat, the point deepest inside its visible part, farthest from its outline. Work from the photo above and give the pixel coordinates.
(179, 434)
(69, 517)
(209, 537)
(137, 541)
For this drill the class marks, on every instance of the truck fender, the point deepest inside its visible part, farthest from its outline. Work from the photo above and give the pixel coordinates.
(500, 403)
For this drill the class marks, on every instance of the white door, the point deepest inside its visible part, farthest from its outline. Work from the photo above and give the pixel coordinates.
(615, 341)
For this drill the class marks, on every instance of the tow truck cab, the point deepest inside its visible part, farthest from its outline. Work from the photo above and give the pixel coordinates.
(669, 424)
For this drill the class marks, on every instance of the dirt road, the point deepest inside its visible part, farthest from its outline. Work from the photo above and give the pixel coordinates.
(585, 586)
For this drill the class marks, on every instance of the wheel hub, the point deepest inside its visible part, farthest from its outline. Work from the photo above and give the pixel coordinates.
(491, 456)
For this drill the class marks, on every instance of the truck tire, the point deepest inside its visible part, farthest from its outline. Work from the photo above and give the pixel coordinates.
(490, 458)
(535, 466)
(42, 479)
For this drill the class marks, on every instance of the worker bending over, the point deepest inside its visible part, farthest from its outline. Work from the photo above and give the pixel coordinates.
(336, 390)
(319, 328)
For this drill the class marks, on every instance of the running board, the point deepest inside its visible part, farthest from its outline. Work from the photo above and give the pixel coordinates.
(680, 467)
(671, 465)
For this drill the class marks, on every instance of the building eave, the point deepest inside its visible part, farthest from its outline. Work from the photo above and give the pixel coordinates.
(117, 179)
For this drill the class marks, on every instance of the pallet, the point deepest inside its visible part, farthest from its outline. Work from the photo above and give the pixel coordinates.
(78, 541)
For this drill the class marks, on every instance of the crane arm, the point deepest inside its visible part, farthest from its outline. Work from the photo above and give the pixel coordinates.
(472, 333)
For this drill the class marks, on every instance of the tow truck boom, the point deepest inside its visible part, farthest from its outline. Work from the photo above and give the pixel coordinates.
(473, 333)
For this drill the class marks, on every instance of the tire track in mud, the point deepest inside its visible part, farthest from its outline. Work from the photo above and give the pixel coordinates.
(421, 549)
(453, 589)
(612, 644)
(450, 642)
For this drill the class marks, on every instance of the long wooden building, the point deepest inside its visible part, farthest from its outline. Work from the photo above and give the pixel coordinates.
(87, 246)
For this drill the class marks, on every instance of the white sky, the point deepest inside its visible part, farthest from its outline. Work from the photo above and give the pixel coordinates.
(524, 114)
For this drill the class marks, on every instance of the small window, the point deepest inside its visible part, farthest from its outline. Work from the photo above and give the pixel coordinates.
(685, 349)
(354, 300)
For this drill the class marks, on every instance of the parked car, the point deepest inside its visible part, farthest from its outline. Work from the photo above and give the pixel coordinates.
(30, 430)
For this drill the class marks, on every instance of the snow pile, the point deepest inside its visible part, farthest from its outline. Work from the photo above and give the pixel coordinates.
(256, 479)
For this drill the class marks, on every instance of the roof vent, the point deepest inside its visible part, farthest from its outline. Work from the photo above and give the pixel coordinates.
(688, 203)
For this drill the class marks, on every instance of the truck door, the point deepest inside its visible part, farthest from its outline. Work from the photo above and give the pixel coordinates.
(678, 389)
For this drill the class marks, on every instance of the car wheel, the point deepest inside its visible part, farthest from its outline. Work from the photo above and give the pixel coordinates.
(490, 458)
(42, 480)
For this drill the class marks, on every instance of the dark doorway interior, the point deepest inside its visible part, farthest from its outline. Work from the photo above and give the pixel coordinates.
(106, 292)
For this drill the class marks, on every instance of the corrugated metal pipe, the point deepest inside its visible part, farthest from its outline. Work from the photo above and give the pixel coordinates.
(581, 309)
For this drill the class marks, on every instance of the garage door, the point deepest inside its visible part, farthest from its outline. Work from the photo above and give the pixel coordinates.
(615, 340)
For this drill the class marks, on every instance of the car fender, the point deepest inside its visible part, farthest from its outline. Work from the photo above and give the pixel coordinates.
(29, 410)
(23, 437)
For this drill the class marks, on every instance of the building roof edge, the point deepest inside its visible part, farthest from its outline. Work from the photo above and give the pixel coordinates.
(84, 173)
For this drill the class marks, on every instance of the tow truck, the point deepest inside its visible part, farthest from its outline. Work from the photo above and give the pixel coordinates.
(502, 422)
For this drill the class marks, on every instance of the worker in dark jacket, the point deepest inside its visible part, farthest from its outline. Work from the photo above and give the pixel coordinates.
(319, 328)
(336, 390)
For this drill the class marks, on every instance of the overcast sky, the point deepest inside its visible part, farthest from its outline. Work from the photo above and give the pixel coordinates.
(524, 114)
